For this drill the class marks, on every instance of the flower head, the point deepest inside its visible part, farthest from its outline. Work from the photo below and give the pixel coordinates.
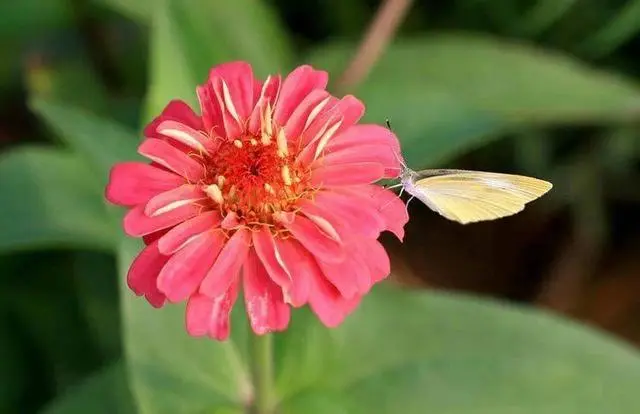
(270, 189)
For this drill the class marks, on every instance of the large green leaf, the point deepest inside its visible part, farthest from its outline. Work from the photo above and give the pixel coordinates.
(51, 198)
(172, 372)
(101, 141)
(188, 37)
(415, 352)
(447, 93)
(105, 392)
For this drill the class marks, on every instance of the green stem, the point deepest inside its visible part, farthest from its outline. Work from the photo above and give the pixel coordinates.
(262, 370)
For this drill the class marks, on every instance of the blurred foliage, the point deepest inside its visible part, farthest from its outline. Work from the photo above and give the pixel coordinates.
(543, 87)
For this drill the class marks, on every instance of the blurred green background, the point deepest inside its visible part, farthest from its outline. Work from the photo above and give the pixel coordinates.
(548, 88)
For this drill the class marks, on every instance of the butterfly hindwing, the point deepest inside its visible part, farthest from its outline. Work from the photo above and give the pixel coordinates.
(471, 196)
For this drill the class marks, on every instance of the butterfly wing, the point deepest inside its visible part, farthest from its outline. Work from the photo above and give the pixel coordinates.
(472, 196)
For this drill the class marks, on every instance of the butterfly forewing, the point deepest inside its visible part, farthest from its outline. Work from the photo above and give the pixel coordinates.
(471, 196)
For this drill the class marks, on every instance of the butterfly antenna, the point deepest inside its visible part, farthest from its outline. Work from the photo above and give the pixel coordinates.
(395, 154)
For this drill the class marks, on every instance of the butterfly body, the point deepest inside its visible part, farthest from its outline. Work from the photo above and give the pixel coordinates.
(471, 196)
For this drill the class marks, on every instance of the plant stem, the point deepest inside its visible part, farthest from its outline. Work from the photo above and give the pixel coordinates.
(263, 376)
(380, 32)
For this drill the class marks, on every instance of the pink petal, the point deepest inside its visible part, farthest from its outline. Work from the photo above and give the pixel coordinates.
(191, 139)
(268, 95)
(175, 238)
(326, 219)
(329, 123)
(172, 158)
(360, 218)
(137, 224)
(178, 111)
(225, 270)
(347, 174)
(132, 183)
(300, 82)
(151, 237)
(359, 154)
(172, 199)
(230, 221)
(211, 112)
(300, 264)
(183, 273)
(327, 303)
(143, 274)
(369, 134)
(390, 207)
(264, 302)
(317, 101)
(210, 316)
(239, 79)
(376, 258)
(319, 243)
(265, 248)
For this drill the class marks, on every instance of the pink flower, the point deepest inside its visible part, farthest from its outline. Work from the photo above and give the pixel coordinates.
(273, 181)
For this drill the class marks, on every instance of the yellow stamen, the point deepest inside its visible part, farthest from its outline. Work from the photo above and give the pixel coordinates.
(286, 176)
(283, 151)
(237, 143)
(253, 142)
(266, 139)
(269, 189)
(213, 191)
(221, 180)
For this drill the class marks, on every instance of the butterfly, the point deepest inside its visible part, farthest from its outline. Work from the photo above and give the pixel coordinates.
(468, 196)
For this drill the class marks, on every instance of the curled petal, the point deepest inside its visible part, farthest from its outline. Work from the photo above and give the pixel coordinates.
(185, 270)
(177, 111)
(265, 248)
(265, 305)
(225, 270)
(181, 234)
(300, 83)
(192, 140)
(137, 224)
(132, 183)
(300, 265)
(318, 242)
(210, 316)
(173, 199)
(171, 158)
(143, 274)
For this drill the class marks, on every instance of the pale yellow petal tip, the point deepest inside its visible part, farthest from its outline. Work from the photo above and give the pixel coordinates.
(213, 191)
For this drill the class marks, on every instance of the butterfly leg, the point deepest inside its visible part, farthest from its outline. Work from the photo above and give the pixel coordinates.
(407, 205)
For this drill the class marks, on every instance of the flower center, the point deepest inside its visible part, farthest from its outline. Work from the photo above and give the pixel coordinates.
(255, 177)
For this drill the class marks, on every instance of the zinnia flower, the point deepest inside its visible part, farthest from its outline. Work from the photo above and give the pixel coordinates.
(270, 189)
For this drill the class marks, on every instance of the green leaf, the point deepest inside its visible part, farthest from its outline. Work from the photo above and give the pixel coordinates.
(105, 392)
(416, 352)
(618, 30)
(101, 141)
(52, 199)
(172, 372)
(447, 93)
(188, 37)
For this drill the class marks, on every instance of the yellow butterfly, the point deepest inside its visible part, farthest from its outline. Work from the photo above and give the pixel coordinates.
(471, 196)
